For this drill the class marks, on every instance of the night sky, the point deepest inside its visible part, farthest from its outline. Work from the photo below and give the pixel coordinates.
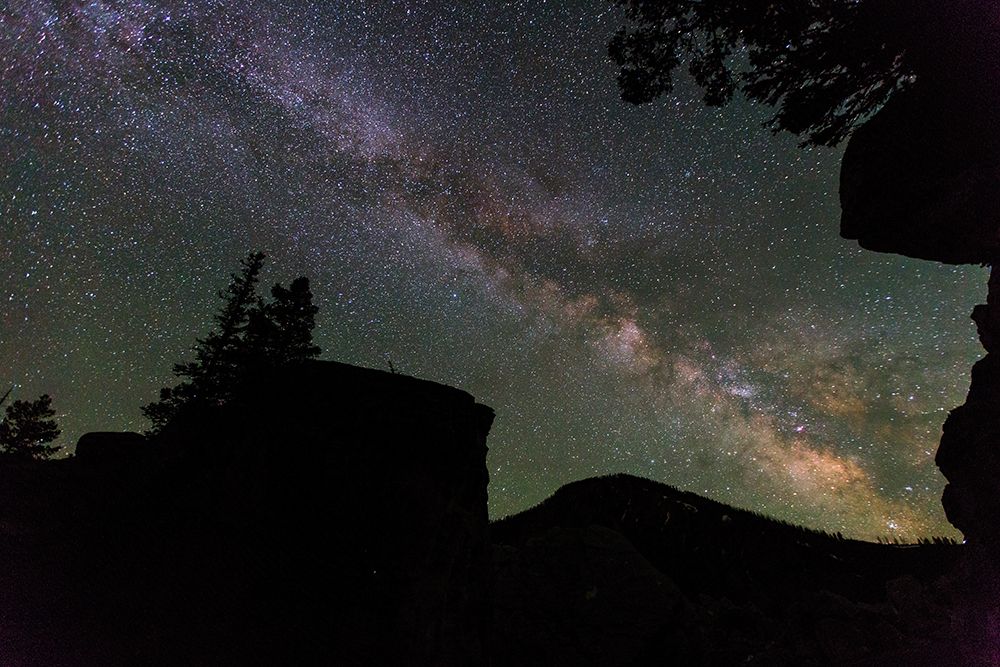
(657, 290)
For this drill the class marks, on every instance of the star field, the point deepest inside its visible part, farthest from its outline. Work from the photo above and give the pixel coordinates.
(657, 290)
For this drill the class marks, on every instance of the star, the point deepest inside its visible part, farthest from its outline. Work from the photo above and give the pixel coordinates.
(657, 290)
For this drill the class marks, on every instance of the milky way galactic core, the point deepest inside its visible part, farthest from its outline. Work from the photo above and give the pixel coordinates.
(658, 290)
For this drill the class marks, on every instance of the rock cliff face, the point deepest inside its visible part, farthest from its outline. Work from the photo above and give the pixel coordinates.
(922, 179)
(969, 455)
(332, 515)
(381, 481)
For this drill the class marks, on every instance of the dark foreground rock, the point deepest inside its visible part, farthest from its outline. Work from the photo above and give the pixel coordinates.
(332, 515)
(920, 178)
(110, 446)
(626, 571)
(585, 596)
(336, 515)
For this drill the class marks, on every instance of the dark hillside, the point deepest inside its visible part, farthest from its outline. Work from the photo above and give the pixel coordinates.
(333, 515)
(626, 571)
(724, 550)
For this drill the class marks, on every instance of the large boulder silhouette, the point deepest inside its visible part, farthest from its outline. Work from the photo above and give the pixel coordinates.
(922, 177)
(105, 446)
(328, 514)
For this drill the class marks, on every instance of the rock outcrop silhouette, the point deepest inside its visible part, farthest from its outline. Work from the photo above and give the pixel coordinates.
(922, 179)
(335, 515)
(329, 515)
(108, 446)
(919, 178)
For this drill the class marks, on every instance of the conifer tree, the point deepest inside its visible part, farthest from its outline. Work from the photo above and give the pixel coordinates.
(218, 355)
(251, 336)
(294, 317)
(27, 429)
(211, 377)
(280, 332)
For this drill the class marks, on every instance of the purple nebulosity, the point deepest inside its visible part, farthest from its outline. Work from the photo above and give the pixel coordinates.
(657, 290)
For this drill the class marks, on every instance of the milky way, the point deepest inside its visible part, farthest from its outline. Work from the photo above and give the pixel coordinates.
(658, 290)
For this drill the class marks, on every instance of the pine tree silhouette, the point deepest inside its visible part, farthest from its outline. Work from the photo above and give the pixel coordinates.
(251, 336)
(210, 378)
(280, 332)
(294, 317)
(27, 428)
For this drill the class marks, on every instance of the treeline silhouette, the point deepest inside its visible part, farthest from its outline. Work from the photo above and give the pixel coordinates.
(251, 336)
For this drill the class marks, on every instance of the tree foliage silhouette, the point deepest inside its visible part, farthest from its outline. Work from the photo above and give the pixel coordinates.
(250, 335)
(27, 429)
(826, 65)
(280, 332)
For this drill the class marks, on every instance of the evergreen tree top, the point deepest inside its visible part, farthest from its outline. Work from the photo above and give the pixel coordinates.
(27, 428)
(250, 335)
